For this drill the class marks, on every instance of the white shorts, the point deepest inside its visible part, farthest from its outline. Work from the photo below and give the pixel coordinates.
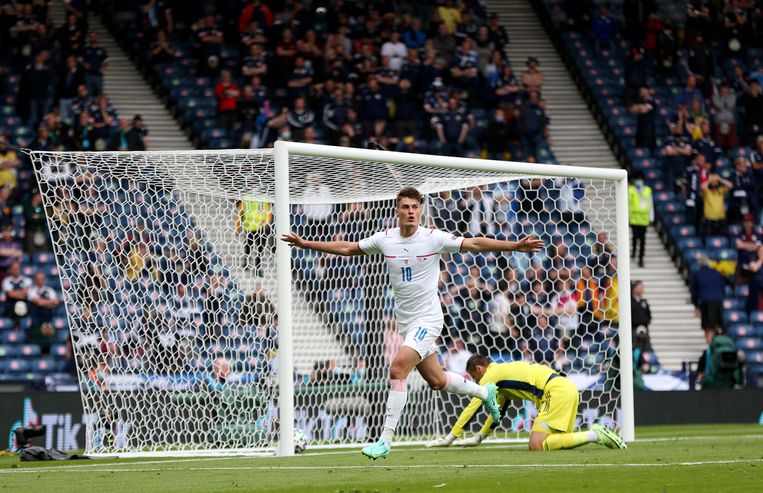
(421, 338)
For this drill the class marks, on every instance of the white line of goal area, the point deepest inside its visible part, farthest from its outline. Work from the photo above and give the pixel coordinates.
(126, 466)
(90, 469)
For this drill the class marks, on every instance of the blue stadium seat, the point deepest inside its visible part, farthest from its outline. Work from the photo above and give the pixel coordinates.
(755, 357)
(756, 317)
(734, 317)
(29, 350)
(741, 330)
(14, 365)
(13, 337)
(749, 343)
(5, 323)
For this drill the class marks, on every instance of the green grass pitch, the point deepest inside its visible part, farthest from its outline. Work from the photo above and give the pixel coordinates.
(694, 459)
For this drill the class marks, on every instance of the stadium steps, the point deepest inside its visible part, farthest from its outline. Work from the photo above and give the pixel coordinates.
(216, 218)
(577, 140)
(129, 93)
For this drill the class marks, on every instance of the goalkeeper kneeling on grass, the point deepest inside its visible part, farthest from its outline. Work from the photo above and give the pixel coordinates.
(555, 396)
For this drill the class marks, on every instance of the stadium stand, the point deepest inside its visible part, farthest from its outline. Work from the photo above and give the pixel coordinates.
(403, 76)
(697, 67)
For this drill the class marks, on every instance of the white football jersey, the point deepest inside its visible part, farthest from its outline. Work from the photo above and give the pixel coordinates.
(414, 271)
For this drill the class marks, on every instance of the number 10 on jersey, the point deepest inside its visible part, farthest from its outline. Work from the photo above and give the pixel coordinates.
(406, 273)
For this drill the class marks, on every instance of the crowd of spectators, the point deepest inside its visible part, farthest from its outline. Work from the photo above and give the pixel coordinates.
(679, 84)
(53, 100)
(711, 128)
(431, 77)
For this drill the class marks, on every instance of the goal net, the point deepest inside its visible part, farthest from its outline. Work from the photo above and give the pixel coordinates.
(195, 331)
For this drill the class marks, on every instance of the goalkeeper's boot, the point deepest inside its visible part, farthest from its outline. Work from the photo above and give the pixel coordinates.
(376, 450)
(491, 402)
(608, 438)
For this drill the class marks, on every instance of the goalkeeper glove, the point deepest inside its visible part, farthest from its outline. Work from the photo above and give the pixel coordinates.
(442, 442)
(470, 442)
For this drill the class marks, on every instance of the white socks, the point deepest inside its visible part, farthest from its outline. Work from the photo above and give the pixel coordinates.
(457, 384)
(398, 395)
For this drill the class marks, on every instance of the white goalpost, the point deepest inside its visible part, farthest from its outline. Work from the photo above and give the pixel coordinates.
(197, 332)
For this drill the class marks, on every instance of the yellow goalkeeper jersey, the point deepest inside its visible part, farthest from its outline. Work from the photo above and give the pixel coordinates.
(516, 381)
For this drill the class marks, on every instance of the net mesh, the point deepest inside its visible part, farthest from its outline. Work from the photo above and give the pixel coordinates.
(168, 269)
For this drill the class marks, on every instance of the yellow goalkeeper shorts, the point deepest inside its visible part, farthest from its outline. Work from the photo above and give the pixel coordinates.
(558, 407)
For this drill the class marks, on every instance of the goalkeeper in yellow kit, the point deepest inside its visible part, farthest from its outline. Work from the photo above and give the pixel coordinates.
(555, 396)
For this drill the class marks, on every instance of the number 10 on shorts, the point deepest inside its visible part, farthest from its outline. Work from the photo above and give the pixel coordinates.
(406, 273)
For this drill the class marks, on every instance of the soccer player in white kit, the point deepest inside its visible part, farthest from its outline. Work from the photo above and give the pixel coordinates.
(412, 254)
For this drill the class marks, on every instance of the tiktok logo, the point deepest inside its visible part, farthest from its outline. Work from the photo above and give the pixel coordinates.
(58, 426)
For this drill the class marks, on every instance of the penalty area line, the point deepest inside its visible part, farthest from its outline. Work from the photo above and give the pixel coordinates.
(77, 469)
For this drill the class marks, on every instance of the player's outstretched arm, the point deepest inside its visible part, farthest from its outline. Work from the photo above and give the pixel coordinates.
(346, 248)
(483, 244)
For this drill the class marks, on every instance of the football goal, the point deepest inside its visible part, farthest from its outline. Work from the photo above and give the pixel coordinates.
(196, 331)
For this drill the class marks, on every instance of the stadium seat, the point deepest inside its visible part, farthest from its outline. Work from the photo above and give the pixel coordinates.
(734, 317)
(749, 343)
(756, 317)
(740, 330)
(13, 337)
(14, 365)
(29, 350)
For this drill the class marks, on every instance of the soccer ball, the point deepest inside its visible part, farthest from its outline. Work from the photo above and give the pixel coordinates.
(300, 441)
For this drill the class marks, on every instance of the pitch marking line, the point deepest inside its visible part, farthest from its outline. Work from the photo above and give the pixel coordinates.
(490, 445)
(76, 469)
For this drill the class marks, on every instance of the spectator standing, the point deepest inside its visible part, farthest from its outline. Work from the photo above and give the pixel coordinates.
(707, 292)
(37, 239)
(635, 75)
(756, 283)
(714, 192)
(604, 28)
(119, 141)
(15, 287)
(753, 105)
(533, 125)
(9, 164)
(452, 128)
(253, 222)
(162, 51)
(67, 87)
(96, 60)
(676, 157)
(644, 109)
(725, 102)
(589, 302)
(693, 178)
(641, 316)
(748, 242)
(640, 213)
(36, 82)
(532, 78)
(209, 40)
(42, 301)
(497, 136)
(396, 50)
(136, 136)
(227, 93)
(743, 199)
(414, 36)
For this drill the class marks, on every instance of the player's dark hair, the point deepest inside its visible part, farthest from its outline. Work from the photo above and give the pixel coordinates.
(475, 361)
(409, 193)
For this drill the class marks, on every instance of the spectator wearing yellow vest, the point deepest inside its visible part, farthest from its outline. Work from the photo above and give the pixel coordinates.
(640, 213)
(253, 221)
